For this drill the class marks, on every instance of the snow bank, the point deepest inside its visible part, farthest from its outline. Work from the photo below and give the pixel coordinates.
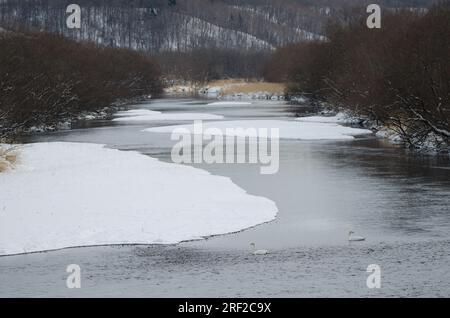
(229, 103)
(340, 118)
(73, 194)
(211, 92)
(261, 95)
(149, 115)
(389, 134)
(288, 129)
(137, 112)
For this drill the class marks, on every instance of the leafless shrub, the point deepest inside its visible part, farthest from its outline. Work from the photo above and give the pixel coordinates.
(398, 75)
(45, 79)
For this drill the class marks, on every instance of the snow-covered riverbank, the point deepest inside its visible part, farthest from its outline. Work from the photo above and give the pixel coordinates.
(433, 144)
(67, 122)
(348, 119)
(231, 89)
(73, 194)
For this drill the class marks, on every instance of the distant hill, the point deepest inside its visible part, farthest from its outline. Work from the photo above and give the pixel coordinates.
(183, 25)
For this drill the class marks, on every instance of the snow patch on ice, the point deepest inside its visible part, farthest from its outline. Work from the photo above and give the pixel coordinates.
(137, 112)
(149, 115)
(288, 129)
(229, 103)
(73, 194)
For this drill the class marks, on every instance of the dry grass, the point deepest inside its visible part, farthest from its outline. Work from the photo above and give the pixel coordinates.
(8, 158)
(235, 86)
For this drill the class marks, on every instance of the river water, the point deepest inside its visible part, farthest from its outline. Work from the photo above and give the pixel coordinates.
(398, 201)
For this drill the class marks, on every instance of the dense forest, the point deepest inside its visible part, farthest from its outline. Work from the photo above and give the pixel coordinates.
(398, 75)
(194, 40)
(203, 65)
(46, 79)
(187, 24)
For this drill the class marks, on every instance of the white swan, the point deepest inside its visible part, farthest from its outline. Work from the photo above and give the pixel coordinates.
(258, 252)
(354, 238)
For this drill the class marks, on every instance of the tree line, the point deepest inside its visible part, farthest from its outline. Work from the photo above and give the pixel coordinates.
(203, 65)
(46, 79)
(398, 75)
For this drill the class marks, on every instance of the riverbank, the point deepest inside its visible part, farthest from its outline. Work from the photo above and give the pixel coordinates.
(230, 89)
(433, 144)
(71, 119)
(101, 113)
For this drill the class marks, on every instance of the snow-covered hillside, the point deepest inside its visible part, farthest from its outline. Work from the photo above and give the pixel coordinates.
(155, 26)
(186, 26)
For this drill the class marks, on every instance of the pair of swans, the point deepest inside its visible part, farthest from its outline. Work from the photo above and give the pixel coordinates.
(351, 238)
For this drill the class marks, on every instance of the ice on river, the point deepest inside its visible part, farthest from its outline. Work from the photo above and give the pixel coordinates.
(142, 115)
(287, 129)
(75, 194)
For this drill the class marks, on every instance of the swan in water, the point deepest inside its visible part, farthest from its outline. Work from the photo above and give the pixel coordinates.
(354, 238)
(258, 252)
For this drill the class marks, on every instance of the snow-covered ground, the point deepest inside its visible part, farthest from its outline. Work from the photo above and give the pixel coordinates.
(194, 31)
(150, 115)
(257, 95)
(389, 134)
(287, 129)
(75, 194)
(348, 119)
(188, 90)
(339, 118)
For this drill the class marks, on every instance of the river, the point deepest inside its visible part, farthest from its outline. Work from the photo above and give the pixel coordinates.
(397, 200)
